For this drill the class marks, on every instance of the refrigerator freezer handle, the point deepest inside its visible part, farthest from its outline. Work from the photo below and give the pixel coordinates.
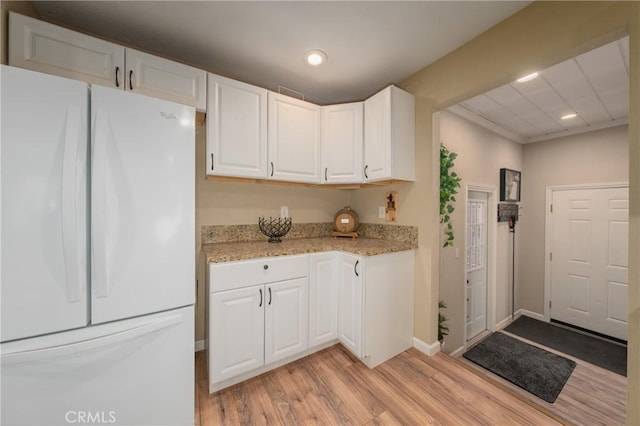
(100, 276)
(70, 206)
(90, 344)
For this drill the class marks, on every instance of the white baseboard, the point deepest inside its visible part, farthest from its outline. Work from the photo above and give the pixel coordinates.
(530, 314)
(458, 352)
(520, 312)
(199, 345)
(426, 348)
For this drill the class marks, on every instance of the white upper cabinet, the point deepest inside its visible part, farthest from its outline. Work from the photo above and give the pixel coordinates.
(389, 136)
(161, 78)
(294, 139)
(342, 143)
(236, 128)
(47, 48)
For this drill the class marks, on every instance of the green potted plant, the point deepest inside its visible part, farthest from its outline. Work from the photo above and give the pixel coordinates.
(443, 330)
(449, 184)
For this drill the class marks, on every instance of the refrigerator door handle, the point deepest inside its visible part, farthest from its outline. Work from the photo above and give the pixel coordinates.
(69, 204)
(100, 276)
(41, 354)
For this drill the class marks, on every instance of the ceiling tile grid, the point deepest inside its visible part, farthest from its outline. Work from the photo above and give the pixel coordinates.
(594, 85)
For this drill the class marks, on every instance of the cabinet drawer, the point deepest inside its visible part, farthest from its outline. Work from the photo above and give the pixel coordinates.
(232, 275)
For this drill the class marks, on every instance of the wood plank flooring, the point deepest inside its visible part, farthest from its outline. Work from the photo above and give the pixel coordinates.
(591, 396)
(331, 387)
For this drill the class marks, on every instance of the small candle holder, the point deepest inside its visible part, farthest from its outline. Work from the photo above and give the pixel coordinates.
(275, 229)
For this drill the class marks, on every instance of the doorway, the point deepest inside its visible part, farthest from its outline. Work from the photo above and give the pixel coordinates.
(587, 257)
(479, 269)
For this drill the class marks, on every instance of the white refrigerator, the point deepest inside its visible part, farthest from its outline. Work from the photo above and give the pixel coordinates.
(97, 256)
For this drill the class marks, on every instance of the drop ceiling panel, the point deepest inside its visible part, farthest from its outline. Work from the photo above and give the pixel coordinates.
(606, 71)
(594, 85)
(567, 78)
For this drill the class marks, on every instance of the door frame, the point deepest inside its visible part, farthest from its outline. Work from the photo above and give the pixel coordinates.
(492, 240)
(548, 231)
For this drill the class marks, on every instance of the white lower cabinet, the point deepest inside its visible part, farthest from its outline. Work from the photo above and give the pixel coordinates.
(236, 332)
(323, 298)
(350, 299)
(375, 305)
(286, 324)
(264, 313)
(258, 314)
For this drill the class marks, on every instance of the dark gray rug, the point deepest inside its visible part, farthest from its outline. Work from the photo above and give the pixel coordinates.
(533, 369)
(594, 350)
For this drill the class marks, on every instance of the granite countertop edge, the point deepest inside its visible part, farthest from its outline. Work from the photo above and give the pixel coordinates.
(246, 250)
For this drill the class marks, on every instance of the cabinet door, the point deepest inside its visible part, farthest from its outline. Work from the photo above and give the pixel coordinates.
(236, 332)
(50, 49)
(377, 136)
(286, 319)
(323, 298)
(161, 78)
(342, 143)
(350, 303)
(236, 128)
(294, 139)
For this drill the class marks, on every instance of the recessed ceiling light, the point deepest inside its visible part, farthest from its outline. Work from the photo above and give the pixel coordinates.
(315, 57)
(569, 116)
(527, 77)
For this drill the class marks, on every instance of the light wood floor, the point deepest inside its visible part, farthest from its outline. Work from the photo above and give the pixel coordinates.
(333, 388)
(591, 396)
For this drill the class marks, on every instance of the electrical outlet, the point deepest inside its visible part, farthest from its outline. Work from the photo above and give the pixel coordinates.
(284, 212)
(381, 212)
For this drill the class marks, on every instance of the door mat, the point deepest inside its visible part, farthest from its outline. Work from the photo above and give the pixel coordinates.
(594, 350)
(533, 369)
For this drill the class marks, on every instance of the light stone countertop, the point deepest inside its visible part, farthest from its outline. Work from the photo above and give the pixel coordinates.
(232, 251)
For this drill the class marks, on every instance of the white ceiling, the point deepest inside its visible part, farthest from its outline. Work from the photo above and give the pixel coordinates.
(595, 85)
(369, 44)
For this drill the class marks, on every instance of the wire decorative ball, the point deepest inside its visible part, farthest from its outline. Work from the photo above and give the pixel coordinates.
(275, 229)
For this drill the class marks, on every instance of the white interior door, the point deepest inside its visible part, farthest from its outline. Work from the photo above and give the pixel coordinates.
(44, 213)
(142, 205)
(476, 263)
(589, 258)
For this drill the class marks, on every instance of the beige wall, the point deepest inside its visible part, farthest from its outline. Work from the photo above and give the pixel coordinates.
(596, 157)
(233, 203)
(540, 35)
(481, 155)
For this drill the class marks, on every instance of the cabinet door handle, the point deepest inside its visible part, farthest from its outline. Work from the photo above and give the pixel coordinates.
(365, 171)
(325, 174)
(212, 161)
(260, 305)
(131, 80)
(272, 168)
(355, 268)
(269, 296)
(117, 72)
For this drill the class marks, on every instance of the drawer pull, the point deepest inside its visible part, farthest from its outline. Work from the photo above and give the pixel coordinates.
(266, 267)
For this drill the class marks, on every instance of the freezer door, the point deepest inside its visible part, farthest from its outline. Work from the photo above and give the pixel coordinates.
(43, 169)
(131, 372)
(142, 205)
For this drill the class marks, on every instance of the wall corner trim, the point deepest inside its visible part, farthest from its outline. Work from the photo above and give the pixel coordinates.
(426, 348)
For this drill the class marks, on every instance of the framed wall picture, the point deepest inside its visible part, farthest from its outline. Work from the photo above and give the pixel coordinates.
(510, 182)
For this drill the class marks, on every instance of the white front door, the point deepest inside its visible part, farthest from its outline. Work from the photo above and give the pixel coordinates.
(589, 258)
(476, 263)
